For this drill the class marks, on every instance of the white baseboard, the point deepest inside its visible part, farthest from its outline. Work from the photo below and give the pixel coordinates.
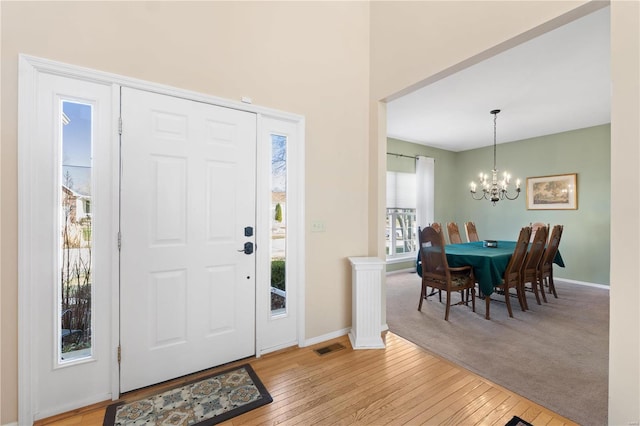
(11, 424)
(402, 271)
(335, 334)
(328, 336)
(602, 286)
(265, 351)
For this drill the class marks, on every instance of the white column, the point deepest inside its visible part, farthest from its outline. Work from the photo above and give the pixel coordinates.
(366, 322)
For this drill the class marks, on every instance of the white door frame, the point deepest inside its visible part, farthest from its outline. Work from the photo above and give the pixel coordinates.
(278, 332)
(29, 68)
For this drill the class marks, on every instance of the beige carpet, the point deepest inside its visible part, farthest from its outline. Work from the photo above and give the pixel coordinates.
(555, 354)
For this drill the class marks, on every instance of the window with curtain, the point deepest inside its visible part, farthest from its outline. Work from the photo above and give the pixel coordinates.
(401, 229)
(410, 205)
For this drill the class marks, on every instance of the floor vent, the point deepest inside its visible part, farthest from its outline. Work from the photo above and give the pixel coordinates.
(328, 349)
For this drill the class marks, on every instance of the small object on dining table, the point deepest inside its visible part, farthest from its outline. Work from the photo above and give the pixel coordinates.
(490, 243)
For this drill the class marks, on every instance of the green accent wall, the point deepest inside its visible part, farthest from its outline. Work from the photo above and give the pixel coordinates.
(585, 241)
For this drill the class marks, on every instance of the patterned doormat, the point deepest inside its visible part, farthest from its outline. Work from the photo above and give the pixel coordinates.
(202, 402)
(517, 421)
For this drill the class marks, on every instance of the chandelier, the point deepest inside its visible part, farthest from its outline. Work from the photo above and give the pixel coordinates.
(494, 190)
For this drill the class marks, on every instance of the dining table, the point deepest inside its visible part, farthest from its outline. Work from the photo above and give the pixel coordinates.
(488, 263)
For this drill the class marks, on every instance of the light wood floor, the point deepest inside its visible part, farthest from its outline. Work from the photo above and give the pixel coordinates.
(402, 384)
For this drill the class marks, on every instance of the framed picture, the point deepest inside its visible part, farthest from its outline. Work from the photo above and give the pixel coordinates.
(557, 192)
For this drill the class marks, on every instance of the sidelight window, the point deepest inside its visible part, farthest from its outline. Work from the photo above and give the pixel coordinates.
(75, 242)
(278, 223)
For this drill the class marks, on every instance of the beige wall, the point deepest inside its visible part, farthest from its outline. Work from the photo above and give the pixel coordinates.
(332, 62)
(306, 58)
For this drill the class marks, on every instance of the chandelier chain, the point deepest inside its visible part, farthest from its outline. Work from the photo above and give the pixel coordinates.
(495, 120)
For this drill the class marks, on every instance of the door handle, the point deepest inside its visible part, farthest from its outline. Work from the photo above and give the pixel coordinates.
(248, 248)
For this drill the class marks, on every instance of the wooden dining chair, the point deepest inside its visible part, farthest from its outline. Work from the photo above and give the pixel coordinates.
(535, 226)
(530, 268)
(454, 233)
(470, 230)
(436, 226)
(546, 264)
(437, 274)
(511, 278)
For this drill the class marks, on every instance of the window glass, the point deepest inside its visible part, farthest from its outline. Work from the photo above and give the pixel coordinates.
(401, 232)
(74, 284)
(278, 223)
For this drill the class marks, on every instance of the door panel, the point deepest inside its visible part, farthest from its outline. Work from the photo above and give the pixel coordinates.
(278, 324)
(62, 381)
(188, 191)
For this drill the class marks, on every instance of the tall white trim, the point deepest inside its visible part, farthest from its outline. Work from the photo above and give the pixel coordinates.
(26, 108)
(299, 235)
(29, 69)
(115, 266)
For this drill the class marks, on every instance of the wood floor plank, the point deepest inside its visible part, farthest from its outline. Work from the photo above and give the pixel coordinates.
(518, 410)
(393, 403)
(493, 409)
(434, 403)
(555, 422)
(375, 389)
(457, 412)
(340, 389)
(448, 406)
(401, 384)
(530, 414)
(340, 381)
(543, 418)
(314, 392)
(352, 371)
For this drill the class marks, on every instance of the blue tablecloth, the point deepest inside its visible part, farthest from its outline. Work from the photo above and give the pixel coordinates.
(488, 264)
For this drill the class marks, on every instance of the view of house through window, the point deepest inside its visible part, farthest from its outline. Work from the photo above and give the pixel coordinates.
(74, 284)
(401, 231)
(278, 223)
(401, 227)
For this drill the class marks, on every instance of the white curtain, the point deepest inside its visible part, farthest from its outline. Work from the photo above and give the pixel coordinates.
(424, 190)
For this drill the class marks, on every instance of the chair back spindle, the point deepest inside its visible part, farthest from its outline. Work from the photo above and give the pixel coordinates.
(436, 226)
(470, 229)
(454, 233)
(534, 228)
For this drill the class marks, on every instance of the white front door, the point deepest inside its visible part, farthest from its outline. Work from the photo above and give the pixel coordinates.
(187, 290)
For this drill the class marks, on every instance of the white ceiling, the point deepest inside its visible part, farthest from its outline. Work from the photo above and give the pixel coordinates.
(556, 82)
